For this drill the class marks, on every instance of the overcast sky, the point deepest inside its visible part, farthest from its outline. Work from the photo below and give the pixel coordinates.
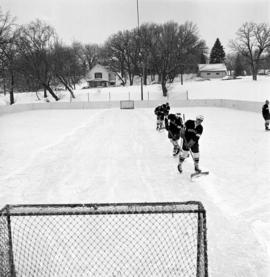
(93, 21)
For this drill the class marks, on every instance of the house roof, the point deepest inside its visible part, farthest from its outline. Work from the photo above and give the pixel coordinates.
(97, 66)
(212, 67)
(100, 66)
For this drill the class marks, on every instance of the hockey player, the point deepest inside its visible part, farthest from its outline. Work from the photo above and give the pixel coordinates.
(174, 124)
(191, 135)
(159, 112)
(266, 115)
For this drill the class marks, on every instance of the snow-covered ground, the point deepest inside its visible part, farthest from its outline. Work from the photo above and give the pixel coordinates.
(243, 88)
(113, 155)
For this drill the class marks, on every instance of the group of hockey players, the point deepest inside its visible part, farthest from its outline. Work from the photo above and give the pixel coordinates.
(184, 135)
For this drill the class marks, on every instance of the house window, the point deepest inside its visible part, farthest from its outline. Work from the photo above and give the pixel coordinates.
(98, 75)
(208, 73)
(217, 73)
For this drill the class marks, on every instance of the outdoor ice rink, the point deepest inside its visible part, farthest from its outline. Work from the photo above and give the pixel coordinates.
(113, 155)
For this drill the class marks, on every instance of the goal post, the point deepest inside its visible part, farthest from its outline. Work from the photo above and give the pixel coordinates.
(127, 104)
(112, 239)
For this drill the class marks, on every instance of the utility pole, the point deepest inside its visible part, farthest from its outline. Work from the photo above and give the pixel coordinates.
(141, 56)
(138, 17)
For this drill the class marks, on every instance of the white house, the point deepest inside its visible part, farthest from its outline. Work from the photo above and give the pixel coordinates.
(215, 70)
(100, 76)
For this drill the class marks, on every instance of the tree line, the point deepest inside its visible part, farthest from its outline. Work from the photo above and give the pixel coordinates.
(32, 56)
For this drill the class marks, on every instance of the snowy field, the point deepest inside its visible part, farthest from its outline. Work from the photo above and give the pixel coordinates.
(113, 155)
(243, 88)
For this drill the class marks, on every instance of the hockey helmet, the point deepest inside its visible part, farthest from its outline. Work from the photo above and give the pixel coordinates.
(200, 117)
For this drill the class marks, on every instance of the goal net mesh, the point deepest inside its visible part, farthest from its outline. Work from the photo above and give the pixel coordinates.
(134, 239)
(127, 104)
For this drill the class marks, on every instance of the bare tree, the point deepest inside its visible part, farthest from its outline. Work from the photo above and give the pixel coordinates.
(166, 50)
(7, 53)
(35, 43)
(229, 61)
(62, 64)
(115, 60)
(173, 48)
(88, 54)
(252, 40)
(123, 51)
(67, 66)
(91, 54)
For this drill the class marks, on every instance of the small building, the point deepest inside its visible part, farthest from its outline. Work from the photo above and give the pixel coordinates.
(100, 76)
(264, 71)
(215, 70)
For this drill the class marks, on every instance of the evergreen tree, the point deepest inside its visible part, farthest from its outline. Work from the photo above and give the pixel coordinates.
(217, 54)
(238, 68)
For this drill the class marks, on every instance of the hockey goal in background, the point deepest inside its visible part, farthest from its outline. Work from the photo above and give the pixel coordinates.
(127, 104)
(127, 239)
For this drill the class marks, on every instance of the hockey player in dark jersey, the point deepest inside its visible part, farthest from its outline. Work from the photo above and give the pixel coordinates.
(266, 115)
(191, 135)
(174, 124)
(161, 112)
(160, 117)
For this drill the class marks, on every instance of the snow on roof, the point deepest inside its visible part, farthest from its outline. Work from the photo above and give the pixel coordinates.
(212, 67)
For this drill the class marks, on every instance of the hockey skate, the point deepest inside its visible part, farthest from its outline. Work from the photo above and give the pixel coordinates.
(160, 127)
(179, 167)
(198, 172)
(176, 151)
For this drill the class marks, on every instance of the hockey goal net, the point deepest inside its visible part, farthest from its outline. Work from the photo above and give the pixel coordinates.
(127, 104)
(131, 239)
